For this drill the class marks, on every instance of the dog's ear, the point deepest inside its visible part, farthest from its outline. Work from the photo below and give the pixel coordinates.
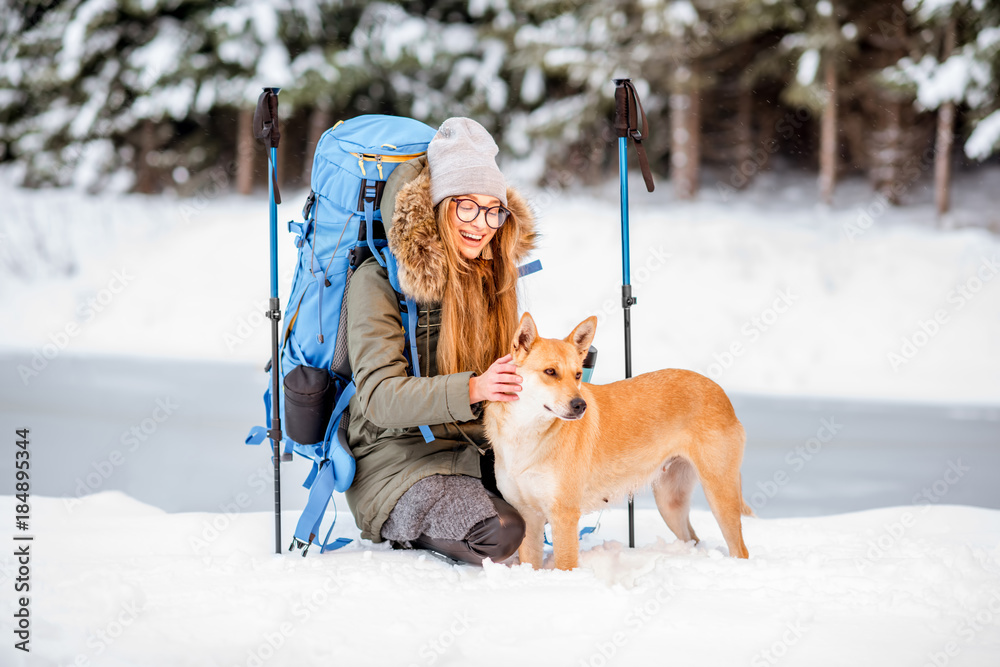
(525, 336)
(583, 336)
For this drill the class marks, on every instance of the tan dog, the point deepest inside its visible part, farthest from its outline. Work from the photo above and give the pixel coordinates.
(566, 448)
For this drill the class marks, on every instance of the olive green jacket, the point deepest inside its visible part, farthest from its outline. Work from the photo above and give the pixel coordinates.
(390, 405)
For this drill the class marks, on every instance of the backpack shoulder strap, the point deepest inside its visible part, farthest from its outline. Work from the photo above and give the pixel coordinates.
(408, 313)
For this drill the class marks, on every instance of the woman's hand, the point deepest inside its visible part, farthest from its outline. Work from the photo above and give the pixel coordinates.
(500, 382)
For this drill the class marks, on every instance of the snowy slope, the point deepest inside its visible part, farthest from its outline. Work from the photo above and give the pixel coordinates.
(763, 291)
(119, 583)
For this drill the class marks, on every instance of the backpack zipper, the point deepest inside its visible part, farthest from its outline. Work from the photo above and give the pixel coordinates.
(379, 159)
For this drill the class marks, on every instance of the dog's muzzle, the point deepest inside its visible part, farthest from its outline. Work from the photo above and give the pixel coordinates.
(576, 408)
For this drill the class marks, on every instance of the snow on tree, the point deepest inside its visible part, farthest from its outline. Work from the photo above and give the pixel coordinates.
(959, 66)
(823, 45)
(430, 67)
(985, 139)
(885, 135)
(660, 44)
(141, 93)
(558, 130)
(94, 77)
(125, 92)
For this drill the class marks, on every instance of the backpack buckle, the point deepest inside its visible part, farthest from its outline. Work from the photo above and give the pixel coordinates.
(358, 254)
(310, 202)
(371, 191)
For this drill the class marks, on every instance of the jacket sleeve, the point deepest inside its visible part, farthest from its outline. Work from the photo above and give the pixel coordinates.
(388, 396)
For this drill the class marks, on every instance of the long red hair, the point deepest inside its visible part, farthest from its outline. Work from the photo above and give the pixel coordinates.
(479, 306)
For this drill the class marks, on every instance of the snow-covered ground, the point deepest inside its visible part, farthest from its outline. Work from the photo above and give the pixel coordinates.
(763, 291)
(118, 583)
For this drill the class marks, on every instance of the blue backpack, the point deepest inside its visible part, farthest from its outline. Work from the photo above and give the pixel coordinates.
(341, 227)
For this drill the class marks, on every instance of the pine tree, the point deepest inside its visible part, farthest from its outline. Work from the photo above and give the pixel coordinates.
(558, 126)
(748, 73)
(886, 135)
(824, 49)
(578, 51)
(100, 75)
(958, 66)
(153, 93)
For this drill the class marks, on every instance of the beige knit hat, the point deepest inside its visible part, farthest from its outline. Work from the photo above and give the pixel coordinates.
(462, 161)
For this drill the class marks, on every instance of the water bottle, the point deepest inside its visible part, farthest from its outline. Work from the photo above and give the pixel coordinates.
(588, 363)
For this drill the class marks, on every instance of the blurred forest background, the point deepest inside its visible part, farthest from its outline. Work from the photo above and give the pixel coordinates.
(154, 95)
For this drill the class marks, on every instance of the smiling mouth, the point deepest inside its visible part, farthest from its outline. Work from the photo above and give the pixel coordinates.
(471, 237)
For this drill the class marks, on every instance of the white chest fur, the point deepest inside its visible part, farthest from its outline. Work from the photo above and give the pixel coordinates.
(524, 475)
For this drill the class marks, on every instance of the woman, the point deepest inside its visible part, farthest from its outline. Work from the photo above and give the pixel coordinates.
(458, 233)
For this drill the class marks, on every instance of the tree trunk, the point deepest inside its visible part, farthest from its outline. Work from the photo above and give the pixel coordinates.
(887, 152)
(828, 134)
(694, 129)
(685, 134)
(319, 122)
(245, 152)
(945, 137)
(744, 137)
(770, 116)
(145, 181)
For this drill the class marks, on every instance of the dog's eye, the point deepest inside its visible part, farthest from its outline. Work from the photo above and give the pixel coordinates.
(579, 375)
(550, 371)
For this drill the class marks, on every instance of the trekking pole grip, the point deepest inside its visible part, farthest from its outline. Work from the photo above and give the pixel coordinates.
(630, 121)
(265, 118)
(272, 101)
(621, 107)
(266, 130)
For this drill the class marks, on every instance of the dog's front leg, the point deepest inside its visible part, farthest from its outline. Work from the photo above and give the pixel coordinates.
(533, 544)
(564, 537)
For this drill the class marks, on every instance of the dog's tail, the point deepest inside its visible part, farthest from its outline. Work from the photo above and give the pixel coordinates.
(745, 509)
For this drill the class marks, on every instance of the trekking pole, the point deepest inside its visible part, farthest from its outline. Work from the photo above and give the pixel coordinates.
(628, 114)
(265, 128)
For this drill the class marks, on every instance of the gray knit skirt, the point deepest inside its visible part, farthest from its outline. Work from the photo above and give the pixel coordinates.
(441, 506)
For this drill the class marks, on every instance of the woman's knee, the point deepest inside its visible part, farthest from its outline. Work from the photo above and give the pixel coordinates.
(500, 536)
(513, 533)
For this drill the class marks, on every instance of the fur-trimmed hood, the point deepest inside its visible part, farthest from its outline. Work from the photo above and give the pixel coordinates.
(414, 240)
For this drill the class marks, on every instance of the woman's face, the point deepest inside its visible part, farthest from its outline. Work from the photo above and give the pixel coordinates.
(476, 235)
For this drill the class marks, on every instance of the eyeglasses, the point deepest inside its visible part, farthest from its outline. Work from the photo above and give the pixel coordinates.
(468, 210)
